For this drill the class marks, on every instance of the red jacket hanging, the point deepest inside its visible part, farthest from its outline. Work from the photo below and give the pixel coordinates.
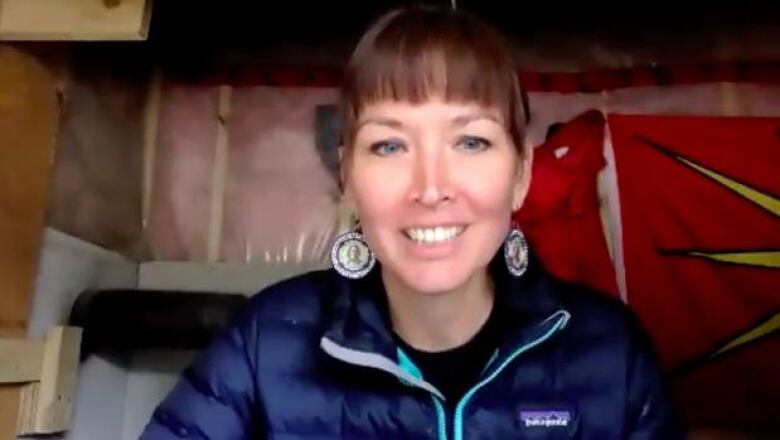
(561, 213)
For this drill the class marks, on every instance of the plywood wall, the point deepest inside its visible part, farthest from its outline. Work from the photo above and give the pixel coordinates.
(28, 121)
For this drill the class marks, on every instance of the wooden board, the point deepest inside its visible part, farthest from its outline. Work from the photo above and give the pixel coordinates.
(74, 19)
(20, 360)
(47, 406)
(28, 121)
(219, 175)
(9, 409)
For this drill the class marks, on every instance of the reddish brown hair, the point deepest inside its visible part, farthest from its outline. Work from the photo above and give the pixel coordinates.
(421, 52)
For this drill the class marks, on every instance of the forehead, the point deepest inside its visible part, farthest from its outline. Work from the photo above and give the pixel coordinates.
(410, 112)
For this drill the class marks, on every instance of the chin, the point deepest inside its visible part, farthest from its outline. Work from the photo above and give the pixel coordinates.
(433, 278)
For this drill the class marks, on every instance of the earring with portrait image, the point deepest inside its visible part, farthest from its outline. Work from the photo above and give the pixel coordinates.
(351, 256)
(516, 251)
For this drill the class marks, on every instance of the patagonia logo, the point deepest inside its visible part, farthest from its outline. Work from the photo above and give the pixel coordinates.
(545, 418)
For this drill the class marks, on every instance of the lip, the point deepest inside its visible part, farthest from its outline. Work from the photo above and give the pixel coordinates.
(432, 251)
(447, 224)
(458, 227)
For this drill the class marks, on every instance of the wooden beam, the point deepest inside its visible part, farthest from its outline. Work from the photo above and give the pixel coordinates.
(151, 127)
(729, 99)
(74, 19)
(219, 173)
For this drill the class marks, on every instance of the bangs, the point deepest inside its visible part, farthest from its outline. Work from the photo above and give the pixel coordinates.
(426, 53)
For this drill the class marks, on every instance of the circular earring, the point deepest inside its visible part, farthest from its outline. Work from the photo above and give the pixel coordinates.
(516, 252)
(351, 256)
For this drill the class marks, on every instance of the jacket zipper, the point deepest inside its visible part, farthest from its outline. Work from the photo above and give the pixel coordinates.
(409, 366)
(403, 369)
(563, 318)
(410, 374)
(441, 417)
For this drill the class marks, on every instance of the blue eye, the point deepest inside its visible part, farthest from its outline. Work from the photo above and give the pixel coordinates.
(387, 148)
(473, 143)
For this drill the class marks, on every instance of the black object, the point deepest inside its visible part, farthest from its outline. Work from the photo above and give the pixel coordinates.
(126, 320)
(552, 130)
(327, 131)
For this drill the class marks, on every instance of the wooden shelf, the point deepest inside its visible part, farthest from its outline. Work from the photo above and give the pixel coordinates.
(74, 20)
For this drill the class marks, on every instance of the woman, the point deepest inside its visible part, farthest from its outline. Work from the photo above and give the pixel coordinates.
(447, 327)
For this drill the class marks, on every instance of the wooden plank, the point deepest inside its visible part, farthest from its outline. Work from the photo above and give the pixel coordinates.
(9, 409)
(151, 127)
(219, 174)
(729, 99)
(74, 19)
(48, 404)
(27, 408)
(20, 360)
(28, 121)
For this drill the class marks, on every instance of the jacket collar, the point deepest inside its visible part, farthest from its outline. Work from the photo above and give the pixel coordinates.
(360, 322)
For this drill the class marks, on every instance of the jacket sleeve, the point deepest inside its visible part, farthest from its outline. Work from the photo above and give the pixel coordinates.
(650, 413)
(215, 397)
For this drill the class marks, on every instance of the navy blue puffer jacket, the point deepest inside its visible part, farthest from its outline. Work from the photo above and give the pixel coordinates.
(313, 357)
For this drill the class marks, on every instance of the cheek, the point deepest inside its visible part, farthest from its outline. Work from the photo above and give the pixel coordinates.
(377, 191)
(483, 186)
(488, 186)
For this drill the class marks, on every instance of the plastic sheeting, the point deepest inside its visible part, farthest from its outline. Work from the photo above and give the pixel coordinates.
(280, 202)
(96, 188)
(178, 224)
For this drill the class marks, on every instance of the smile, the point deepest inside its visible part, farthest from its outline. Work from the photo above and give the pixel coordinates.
(433, 235)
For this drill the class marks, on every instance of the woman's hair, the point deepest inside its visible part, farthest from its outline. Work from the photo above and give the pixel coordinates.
(423, 52)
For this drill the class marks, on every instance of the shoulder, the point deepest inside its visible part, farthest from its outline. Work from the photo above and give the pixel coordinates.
(269, 338)
(607, 347)
(280, 324)
(301, 298)
(599, 317)
(606, 337)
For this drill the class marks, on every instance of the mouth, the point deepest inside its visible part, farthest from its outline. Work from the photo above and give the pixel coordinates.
(433, 235)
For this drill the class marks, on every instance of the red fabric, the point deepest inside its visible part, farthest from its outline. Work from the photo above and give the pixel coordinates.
(692, 305)
(561, 214)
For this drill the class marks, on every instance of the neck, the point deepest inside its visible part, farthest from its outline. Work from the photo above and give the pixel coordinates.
(439, 321)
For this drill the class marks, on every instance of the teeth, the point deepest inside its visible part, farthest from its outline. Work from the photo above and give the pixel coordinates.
(433, 235)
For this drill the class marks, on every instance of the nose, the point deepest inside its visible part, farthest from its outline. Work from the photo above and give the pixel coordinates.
(432, 185)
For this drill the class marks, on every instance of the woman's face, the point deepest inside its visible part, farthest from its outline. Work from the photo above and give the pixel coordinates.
(434, 185)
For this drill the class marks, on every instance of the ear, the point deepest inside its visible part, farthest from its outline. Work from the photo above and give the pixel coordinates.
(522, 180)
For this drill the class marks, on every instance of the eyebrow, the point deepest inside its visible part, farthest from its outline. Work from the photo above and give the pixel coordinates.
(471, 117)
(387, 122)
(456, 121)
